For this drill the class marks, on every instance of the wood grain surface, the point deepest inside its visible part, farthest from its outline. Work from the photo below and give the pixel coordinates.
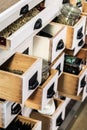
(5, 4)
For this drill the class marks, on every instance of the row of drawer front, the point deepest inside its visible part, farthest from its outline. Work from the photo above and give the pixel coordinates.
(61, 37)
(19, 33)
(20, 75)
(13, 10)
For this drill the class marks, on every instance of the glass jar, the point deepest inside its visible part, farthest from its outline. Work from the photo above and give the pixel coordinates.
(69, 15)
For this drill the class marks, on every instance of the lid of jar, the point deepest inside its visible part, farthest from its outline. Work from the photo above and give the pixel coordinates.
(69, 9)
(49, 109)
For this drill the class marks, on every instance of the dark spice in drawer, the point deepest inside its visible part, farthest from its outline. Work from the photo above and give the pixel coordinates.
(19, 23)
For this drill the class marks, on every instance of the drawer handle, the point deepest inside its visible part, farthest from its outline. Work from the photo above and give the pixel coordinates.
(15, 108)
(33, 82)
(65, 1)
(38, 24)
(51, 92)
(59, 120)
(2, 41)
(83, 82)
(80, 43)
(24, 10)
(79, 4)
(79, 33)
(60, 45)
(59, 68)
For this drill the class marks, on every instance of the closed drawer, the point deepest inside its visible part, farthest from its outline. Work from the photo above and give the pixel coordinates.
(28, 25)
(51, 122)
(8, 111)
(19, 77)
(58, 64)
(44, 92)
(71, 84)
(26, 44)
(14, 9)
(50, 42)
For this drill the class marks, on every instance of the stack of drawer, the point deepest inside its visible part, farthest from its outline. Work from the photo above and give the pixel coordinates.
(28, 37)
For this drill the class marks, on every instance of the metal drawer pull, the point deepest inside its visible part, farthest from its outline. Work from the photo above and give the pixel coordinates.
(59, 120)
(51, 92)
(60, 45)
(24, 10)
(33, 83)
(79, 33)
(65, 1)
(2, 41)
(15, 108)
(59, 68)
(38, 24)
(80, 43)
(83, 82)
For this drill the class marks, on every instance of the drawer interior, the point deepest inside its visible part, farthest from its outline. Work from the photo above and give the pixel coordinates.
(50, 30)
(18, 63)
(8, 31)
(8, 4)
(21, 123)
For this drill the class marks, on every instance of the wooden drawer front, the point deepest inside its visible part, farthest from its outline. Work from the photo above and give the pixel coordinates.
(83, 54)
(84, 7)
(75, 33)
(50, 122)
(74, 88)
(19, 86)
(50, 42)
(44, 92)
(58, 64)
(14, 10)
(8, 112)
(59, 4)
(79, 46)
(29, 28)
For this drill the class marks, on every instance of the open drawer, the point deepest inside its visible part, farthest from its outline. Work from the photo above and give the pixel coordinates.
(75, 33)
(8, 111)
(58, 64)
(51, 122)
(13, 9)
(27, 25)
(25, 123)
(50, 42)
(44, 92)
(19, 77)
(72, 84)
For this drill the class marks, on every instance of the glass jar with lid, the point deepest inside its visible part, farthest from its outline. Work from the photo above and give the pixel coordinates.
(69, 14)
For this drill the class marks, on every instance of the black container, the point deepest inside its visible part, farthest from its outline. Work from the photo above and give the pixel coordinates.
(72, 64)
